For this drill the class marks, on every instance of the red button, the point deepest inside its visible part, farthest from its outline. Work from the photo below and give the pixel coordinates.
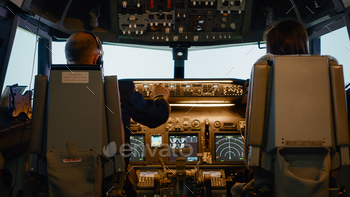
(168, 4)
(152, 4)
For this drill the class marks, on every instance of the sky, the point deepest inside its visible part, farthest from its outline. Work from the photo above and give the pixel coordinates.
(130, 62)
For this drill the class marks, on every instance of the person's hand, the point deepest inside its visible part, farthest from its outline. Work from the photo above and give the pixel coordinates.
(160, 90)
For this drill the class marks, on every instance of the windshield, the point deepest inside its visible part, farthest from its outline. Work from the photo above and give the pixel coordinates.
(132, 62)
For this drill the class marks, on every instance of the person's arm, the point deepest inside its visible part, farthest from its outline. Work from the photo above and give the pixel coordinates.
(151, 113)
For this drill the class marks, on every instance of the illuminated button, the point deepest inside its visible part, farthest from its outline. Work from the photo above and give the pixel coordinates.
(156, 23)
(181, 29)
(138, 4)
(212, 3)
(228, 11)
(176, 38)
(164, 24)
(196, 38)
(194, 2)
(167, 30)
(141, 32)
(167, 38)
(124, 4)
(206, 2)
(168, 5)
(151, 24)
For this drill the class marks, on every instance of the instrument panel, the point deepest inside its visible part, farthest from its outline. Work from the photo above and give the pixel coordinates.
(193, 88)
(201, 142)
(179, 21)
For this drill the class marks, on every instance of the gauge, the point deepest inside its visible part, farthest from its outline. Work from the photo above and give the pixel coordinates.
(217, 124)
(195, 123)
(137, 143)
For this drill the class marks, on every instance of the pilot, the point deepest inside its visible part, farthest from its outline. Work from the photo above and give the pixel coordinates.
(287, 37)
(86, 48)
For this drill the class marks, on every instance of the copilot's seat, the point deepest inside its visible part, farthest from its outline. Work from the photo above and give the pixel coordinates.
(77, 131)
(297, 127)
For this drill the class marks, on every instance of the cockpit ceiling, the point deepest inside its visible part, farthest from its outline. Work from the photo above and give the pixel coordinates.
(167, 22)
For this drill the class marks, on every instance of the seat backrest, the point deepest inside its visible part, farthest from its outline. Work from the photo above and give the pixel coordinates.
(300, 105)
(83, 128)
(298, 101)
(297, 124)
(76, 108)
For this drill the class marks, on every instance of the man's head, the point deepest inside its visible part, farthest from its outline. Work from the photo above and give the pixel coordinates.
(83, 48)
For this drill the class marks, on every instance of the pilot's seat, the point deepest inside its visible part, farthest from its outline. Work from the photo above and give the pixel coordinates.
(77, 132)
(297, 128)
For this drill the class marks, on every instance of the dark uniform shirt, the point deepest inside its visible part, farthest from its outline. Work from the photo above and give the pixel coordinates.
(145, 111)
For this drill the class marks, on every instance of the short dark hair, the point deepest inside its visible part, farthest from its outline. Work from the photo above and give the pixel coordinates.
(79, 47)
(286, 38)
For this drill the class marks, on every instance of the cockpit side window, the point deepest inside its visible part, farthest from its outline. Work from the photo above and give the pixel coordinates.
(20, 68)
(337, 44)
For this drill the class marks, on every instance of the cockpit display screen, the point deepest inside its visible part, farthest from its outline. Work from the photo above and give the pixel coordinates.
(184, 141)
(156, 140)
(212, 173)
(137, 143)
(228, 147)
(148, 173)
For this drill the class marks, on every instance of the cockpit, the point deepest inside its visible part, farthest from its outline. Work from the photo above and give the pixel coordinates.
(235, 126)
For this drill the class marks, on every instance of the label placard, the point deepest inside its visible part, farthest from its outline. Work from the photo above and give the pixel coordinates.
(76, 77)
(72, 160)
